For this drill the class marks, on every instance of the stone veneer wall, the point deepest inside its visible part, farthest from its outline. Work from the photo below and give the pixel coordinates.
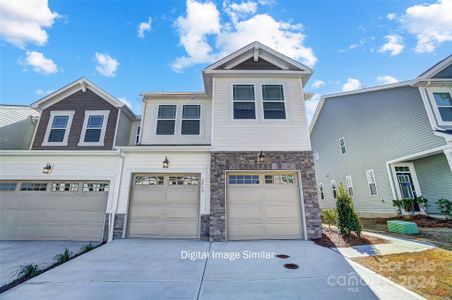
(224, 161)
(118, 227)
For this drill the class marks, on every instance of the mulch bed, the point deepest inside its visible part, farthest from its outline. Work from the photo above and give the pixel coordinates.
(332, 238)
(420, 220)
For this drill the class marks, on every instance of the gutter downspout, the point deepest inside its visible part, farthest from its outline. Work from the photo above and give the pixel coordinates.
(111, 225)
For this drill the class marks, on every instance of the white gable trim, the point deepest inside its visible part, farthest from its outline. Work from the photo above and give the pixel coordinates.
(438, 68)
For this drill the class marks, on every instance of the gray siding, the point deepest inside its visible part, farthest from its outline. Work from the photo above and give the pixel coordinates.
(123, 133)
(16, 127)
(79, 102)
(445, 73)
(435, 179)
(378, 127)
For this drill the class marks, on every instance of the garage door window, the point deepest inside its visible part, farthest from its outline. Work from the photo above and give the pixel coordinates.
(96, 187)
(64, 187)
(279, 179)
(7, 186)
(35, 186)
(183, 180)
(243, 179)
(149, 180)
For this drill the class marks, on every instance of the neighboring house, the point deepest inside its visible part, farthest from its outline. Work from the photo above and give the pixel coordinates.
(233, 162)
(17, 124)
(386, 142)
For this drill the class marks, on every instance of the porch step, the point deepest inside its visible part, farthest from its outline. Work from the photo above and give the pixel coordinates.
(402, 227)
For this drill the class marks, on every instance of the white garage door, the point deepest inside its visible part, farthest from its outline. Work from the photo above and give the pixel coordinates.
(263, 206)
(164, 206)
(70, 210)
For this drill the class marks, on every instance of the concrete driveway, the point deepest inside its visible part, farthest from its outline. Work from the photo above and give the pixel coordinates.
(16, 253)
(179, 269)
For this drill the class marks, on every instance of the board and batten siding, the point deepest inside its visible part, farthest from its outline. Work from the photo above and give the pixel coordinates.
(290, 134)
(377, 126)
(149, 135)
(16, 127)
(435, 179)
(179, 162)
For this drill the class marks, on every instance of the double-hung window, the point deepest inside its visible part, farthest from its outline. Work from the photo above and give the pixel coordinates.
(58, 128)
(342, 145)
(137, 136)
(244, 101)
(166, 120)
(371, 182)
(322, 193)
(333, 188)
(442, 105)
(191, 117)
(273, 100)
(349, 185)
(94, 127)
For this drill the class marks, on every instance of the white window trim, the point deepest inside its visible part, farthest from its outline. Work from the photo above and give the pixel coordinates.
(340, 145)
(137, 134)
(333, 182)
(157, 119)
(188, 119)
(276, 101)
(256, 116)
(417, 187)
(349, 184)
(89, 113)
(374, 182)
(53, 114)
(435, 108)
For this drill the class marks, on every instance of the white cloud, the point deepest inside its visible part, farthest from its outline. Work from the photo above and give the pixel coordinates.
(26, 21)
(143, 27)
(386, 79)
(361, 43)
(39, 63)
(391, 16)
(394, 45)
(237, 11)
(106, 65)
(430, 23)
(41, 92)
(311, 106)
(317, 84)
(202, 20)
(351, 85)
(125, 101)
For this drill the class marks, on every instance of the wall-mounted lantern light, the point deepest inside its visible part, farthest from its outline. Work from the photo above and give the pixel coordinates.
(166, 163)
(47, 169)
(261, 157)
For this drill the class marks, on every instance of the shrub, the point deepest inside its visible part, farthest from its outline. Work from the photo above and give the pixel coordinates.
(422, 202)
(347, 219)
(28, 271)
(87, 247)
(63, 257)
(328, 216)
(445, 207)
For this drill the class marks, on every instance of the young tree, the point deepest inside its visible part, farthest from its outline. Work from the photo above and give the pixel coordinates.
(347, 219)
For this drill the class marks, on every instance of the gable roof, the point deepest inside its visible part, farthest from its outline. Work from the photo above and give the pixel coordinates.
(79, 84)
(242, 60)
(435, 69)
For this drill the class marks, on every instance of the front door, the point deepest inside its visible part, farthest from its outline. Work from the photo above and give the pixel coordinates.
(406, 185)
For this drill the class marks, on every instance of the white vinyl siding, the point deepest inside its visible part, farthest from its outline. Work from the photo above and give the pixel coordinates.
(370, 176)
(290, 134)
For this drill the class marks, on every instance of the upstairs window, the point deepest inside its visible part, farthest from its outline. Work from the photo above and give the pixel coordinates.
(333, 187)
(273, 98)
(349, 185)
(191, 115)
(166, 120)
(58, 129)
(342, 145)
(137, 136)
(243, 101)
(371, 182)
(443, 102)
(322, 193)
(94, 127)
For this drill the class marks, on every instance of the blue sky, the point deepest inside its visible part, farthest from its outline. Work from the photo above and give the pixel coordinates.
(45, 45)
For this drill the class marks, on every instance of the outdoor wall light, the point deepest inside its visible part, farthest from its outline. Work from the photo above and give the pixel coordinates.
(261, 157)
(47, 169)
(166, 163)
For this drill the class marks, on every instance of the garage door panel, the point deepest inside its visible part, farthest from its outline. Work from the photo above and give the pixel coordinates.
(245, 211)
(245, 195)
(282, 211)
(181, 230)
(144, 211)
(180, 211)
(146, 195)
(184, 196)
(146, 229)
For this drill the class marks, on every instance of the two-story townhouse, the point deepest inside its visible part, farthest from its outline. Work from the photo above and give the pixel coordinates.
(386, 142)
(63, 185)
(232, 162)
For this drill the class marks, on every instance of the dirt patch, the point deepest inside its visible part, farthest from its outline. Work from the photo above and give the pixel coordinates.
(427, 273)
(420, 220)
(332, 238)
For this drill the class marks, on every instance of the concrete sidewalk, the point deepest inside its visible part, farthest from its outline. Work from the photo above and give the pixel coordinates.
(395, 245)
(143, 269)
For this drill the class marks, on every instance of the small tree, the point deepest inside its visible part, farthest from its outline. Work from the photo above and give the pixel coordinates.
(328, 216)
(347, 219)
(445, 207)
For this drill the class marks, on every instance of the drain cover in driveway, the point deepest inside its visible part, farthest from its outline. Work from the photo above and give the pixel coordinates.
(282, 256)
(291, 266)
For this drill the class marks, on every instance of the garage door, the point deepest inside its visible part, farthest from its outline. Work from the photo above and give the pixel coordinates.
(164, 206)
(263, 206)
(52, 210)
